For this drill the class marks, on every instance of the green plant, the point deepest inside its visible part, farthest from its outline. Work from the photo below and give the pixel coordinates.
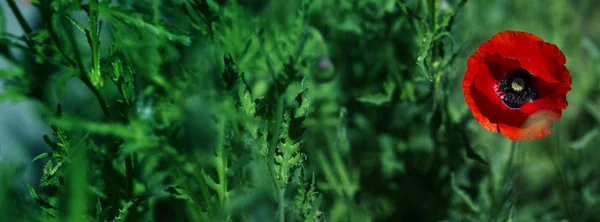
(299, 110)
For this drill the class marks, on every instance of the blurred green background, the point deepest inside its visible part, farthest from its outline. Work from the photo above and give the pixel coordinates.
(273, 110)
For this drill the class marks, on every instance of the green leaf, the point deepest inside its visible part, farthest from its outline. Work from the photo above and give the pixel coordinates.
(592, 109)
(247, 105)
(350, 25)
(43, 155)
(422, 64)
(390, 164)
(471, 154)
(591, 47)
(14, 94)
(117, 69)
(289, 157)
(585, 140)
(32, 192)
(230, 74)
(375, 99)
(11, 73)
(449, 18)
(55, 168)
(202, 11)
(468, 201)
(307, 199)
(64, 5)
(123, 212)
(77, 24)
(136, 20)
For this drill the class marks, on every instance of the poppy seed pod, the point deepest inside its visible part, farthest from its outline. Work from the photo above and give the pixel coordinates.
(516, 84)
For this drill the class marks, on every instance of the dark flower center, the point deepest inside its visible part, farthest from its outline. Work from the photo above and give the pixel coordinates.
(516, 88)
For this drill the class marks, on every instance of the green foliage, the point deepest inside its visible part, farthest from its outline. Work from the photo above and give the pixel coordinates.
(299, 110)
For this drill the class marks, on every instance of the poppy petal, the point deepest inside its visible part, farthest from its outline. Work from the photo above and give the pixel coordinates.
(534, 114)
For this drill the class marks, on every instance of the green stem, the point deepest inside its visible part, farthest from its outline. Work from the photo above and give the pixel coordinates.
(129, 174)
(23, 23)
(431, 5)
(277, 130)
(82, 73)
(562, 177)
(221, 164)
(56, 42)
(281, 205)
(506, 179)
(433, 25)
(271, 155)
(20, 18)
(513, 147)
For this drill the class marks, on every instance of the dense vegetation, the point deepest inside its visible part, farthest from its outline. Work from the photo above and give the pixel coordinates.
(289, 110)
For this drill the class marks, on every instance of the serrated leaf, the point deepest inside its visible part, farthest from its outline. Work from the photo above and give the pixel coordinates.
(422, 64)
(117, 69)
(246, 103)
(123, 212)
(98, 210)
(448, 20)
(230, 74)
(136, 20)
(123, 89)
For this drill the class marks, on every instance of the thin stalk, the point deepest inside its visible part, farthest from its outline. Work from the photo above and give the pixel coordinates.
(23, 23)
(431, 5)
(82, 73)
(509, 165)
(432, 26)
(505, 181)
(86, 80)
(562, 177)
(55, 40)
(273, 143)
(271, 155)
(129, 173)
(20, 18)
(221, 163)
(281, 205)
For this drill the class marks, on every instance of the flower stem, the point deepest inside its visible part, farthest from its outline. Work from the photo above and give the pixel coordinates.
(501, 199)
(559, 159)
(82, 73)
(278, 114)
(20, 18)
(271, 155)
(281, 205)
(431, 5)
(129, 174)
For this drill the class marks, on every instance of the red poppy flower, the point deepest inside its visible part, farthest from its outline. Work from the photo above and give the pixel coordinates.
(516, 84)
